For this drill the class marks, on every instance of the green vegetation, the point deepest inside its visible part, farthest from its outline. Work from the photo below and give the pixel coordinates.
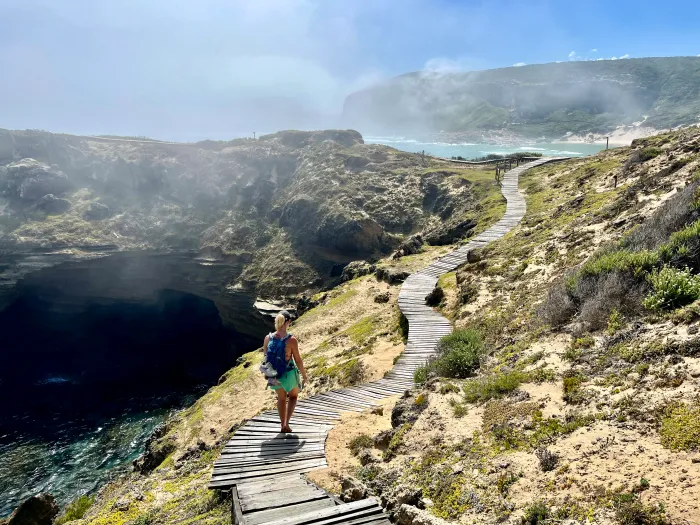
(629, 510)
(458, 356)
(672, 288)
(358, 443)
(680, 427)
(492, 387)
(615, 322)
(571, 386)
(75, 509)
(396, 441)
(649, 153)
(537, 513)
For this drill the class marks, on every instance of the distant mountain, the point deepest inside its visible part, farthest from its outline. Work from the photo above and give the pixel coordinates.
(547, 100)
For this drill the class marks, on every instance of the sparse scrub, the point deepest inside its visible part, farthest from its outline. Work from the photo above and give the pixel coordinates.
(493, 386)
(672, 288)
(358, 443)
(448, 388)
(536, 514)
(548, 460)
(571, 386)
(458, 409)
(615, 322)
(629, 510)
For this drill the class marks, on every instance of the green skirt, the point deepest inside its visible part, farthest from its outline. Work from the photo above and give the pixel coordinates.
(289, 381)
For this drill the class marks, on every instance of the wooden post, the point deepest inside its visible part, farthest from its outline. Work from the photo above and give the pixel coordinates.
(253, 134)
(607, 142)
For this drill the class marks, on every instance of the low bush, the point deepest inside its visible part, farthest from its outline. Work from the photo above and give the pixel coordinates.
(459, 355)
(629, 510)
(672, 288)
(536, 514)
(571, 386)
(358, 443)
(75, 510)
(548, 460)
(680, 427)
(492, 387)
(650, 153)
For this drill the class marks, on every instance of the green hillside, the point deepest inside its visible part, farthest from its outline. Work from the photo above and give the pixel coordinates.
(538, 100)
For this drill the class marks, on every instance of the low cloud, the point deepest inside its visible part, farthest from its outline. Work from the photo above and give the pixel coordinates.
(519, 64)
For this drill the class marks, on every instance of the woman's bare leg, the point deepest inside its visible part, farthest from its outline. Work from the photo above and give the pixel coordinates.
(292, 403)
(282, 407)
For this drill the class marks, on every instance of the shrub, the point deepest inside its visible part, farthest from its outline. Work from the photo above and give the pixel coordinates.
(75, 510)
(536, 514)
(572, 391)
(615, 322)
(492, 387)
(458, 409)
(459, 353)
(629, 510)
(680, 427)
(358, 443)
(649, 153)
(600, 295)
(559, 307)
(548, 460)
(672, 288)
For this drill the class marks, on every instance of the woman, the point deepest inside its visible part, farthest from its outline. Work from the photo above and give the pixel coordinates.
(289, 383)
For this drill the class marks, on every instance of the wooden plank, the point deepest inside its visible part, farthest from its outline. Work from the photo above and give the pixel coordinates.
(236, 508)
(294, 480)
(260, 517)
(326, 514)
(281, 499)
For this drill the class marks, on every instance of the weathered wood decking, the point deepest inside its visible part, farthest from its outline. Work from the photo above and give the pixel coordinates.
(263, 467)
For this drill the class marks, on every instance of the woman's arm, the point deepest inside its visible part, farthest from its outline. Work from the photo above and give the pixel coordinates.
(294, 346)
(265, 343)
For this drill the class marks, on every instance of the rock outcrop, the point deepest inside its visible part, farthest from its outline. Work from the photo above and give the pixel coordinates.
(37, 510)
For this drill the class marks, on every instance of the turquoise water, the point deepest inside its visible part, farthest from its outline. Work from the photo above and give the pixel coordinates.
(470, 151)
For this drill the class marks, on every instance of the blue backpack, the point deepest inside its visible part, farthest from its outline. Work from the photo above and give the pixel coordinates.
(276, 354)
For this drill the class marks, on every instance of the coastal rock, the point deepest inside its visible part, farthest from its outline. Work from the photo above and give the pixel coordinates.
(53, 205)
(158, 447)
(356, 269)
(97, 212)
(30, 180)
(435, 297)
(352, 490)
(382, 298)
(449, 233)
(37, 510)
(410, 515)
(391, 276)
(410, 246)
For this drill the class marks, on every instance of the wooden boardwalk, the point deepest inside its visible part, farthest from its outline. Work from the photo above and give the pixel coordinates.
(263, 467)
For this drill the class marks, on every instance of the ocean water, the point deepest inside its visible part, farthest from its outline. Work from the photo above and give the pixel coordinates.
(471, 151)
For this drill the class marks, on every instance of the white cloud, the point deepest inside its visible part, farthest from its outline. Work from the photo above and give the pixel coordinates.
(594, 50)
(573, 56)
(519, 64)
(624, 56)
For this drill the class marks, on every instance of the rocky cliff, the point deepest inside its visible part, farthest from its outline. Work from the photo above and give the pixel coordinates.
(548, 100)
(273, 216)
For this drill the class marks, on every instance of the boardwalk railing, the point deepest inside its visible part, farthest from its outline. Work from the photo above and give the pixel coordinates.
(263, 467)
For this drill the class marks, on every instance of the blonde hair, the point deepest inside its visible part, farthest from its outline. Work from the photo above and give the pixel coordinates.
(279, 321)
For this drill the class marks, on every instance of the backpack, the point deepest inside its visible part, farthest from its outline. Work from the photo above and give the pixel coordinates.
(276, 354)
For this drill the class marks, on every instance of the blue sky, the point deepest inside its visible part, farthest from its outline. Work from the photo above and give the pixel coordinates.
(186, 70)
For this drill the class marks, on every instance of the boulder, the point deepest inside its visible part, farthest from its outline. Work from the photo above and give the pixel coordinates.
(356, 269)
(382, 298)
(37, 510)
(390, 275)
(366, 457)
(97, 212)
(352, 490)
(406, 410)
(410, 515)
(410, 246)
(52, 204)
(473, 256)
(435, 297)
(450, 233)
(30, 180)
(382, 439)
